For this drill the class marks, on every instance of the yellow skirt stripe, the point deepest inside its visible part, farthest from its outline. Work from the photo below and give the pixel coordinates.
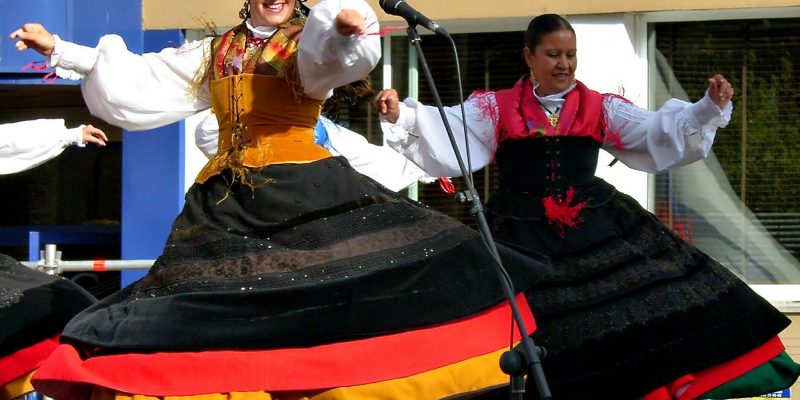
(18, 387)
(467, 376)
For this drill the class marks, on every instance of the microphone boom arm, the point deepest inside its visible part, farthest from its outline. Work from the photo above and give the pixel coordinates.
(528, 350)
(413, 17)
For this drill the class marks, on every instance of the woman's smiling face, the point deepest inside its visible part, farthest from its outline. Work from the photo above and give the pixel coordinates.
(553, 61)
(271, 12)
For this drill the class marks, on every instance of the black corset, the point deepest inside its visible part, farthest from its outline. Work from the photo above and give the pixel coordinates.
(547, 166)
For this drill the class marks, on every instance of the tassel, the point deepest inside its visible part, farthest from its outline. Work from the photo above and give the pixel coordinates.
(387, 30)
(292, 76)
(613, 137)
(488, 109)
(447, 185)
(40, 66)
(560, 212)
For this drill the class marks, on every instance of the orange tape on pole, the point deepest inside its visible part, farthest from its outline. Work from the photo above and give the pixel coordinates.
(99, 265)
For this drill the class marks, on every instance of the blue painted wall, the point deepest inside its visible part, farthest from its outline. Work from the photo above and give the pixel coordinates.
(152, 178)
(80, 21)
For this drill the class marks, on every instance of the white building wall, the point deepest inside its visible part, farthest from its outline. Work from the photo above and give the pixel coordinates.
(612, 59)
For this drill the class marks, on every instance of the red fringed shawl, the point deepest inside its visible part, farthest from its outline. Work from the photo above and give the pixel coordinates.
(522, 117)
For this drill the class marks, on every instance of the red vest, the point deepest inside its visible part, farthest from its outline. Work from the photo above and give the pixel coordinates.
(522, 117)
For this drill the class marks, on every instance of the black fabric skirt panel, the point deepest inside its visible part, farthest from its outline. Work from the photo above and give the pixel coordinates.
(349, 259)
(627, 306)
(34, 306)
(282, 196)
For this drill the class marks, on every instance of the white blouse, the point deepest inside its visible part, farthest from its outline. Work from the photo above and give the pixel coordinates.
(678, 134)
(380, 163)
(139, 92)
(27, 144)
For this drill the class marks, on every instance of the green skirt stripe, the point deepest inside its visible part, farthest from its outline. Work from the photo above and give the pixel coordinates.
(774, 375)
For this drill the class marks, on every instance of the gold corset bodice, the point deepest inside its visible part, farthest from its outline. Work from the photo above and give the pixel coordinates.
(273, 126)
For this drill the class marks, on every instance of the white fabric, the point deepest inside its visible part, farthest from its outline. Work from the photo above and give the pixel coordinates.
(326, 59)
(27, 144)
(677, 134)
(260, 31)
(380, 163)
(139, 92)
(206, 136)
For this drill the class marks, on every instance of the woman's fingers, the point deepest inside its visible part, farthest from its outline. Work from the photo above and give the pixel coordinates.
(94, 135)
(33, 36)
(720, 90)
(349, 22)
(387, 102)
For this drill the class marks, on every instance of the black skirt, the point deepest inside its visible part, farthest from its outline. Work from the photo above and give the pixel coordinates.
(34, 306)
(626, 306)
(301, 255)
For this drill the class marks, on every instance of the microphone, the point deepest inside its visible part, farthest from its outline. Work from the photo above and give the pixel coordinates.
(401, 9)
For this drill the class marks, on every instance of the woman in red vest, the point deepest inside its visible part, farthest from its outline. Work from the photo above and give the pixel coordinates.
(628, 309)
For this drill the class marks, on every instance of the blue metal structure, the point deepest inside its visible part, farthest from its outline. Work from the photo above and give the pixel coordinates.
(152, 161)
(152, 179)
(81, 21)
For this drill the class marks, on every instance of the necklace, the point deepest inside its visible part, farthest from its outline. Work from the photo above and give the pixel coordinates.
(552, 116)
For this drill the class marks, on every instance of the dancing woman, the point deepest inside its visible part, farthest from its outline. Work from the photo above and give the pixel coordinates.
(627, 309)
(287, 275)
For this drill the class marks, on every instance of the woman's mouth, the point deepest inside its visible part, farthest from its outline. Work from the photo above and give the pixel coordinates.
(274, 7)
(561, 77)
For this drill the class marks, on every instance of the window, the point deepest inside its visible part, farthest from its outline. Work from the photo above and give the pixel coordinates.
(486, 62)
(740, 205)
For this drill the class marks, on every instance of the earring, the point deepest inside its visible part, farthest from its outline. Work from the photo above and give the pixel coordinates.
(532, 77)
(298, 11)
(244, 13)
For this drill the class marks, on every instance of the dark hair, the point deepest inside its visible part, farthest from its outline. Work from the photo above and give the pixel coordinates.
(355, 93)
(304, 8)
(542, 25)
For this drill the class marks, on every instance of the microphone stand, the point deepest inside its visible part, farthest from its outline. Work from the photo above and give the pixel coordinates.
(518, 361)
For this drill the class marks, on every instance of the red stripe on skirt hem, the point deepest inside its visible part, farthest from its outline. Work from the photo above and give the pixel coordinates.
(357, 362)
(693, 385)
(23, 361)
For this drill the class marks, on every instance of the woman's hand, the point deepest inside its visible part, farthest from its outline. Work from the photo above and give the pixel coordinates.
(720, 90)
(94, 135)
(349, 22)
(387, 102)
(34, 36)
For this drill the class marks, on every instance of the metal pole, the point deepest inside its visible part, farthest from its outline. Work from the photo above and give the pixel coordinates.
(98, 265)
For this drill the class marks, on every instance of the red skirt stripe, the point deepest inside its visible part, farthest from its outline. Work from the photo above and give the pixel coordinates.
(715, 376)
(23, 361)
(693, 385)
(356, 362)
